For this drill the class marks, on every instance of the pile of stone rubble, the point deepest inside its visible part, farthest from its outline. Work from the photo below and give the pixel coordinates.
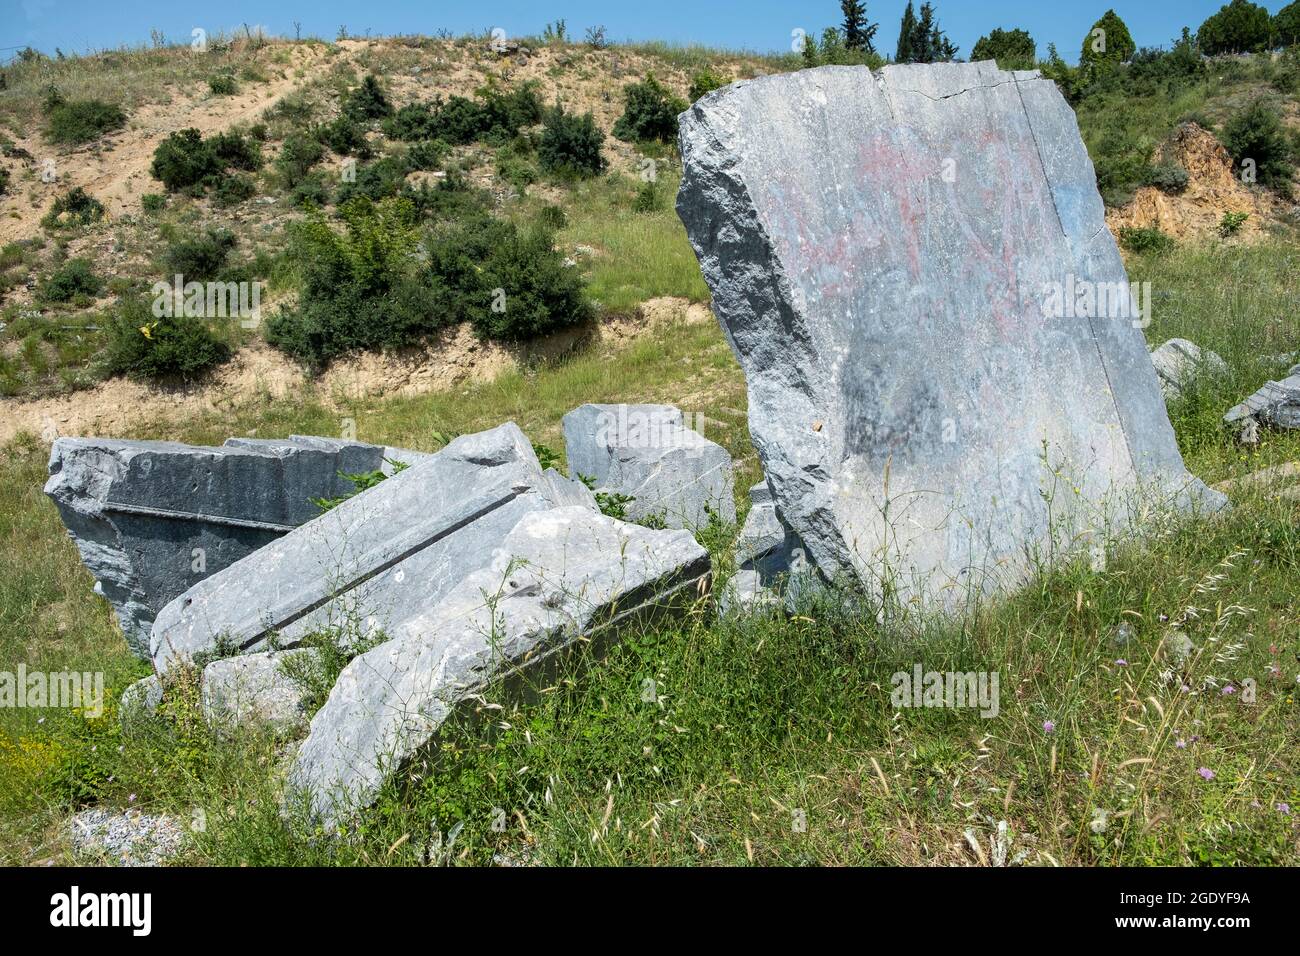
(459, 569)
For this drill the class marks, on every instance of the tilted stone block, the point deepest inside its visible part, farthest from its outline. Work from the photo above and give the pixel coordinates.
(151, 519)
(648, 453)
(559, 575)
(914, 271)
(372, 562)
(1276, 404)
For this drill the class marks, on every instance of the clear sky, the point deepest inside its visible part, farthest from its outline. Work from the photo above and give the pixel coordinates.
(762, 25)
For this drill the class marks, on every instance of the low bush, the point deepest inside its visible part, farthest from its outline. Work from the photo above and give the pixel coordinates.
(76, 207)
(650, 112)
(370, 287)
(201, 258)
(571, 144)
(4, 180)
(298, 155)
(1167, 177)
(71, 122)
(223, 85)
(368, 101)
(1145, 240)
(146, 347)
(186, 161)
(345, 136)
(153, 202)
(1256, 137)
(72, 280)
(705, 82)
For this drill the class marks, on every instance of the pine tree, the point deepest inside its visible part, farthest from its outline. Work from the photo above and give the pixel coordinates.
(859, 34)
(905, 31)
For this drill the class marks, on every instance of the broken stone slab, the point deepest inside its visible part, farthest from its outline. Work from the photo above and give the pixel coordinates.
(647, 453)
(1276, 404)
(745, 594)
(569, 492)
(368, 564)
(913, 268)
(255, 689)
(151, 519)
(560, 578)
(1179, 361)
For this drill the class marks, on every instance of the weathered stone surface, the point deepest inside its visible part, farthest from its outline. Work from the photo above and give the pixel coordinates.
(558, 575)
(370, 563)
(745, 594)
(140, 701)
(151, 519)
(254, 689)
(1276, 404)
(765, 543)
(566, 492)
(1178, 362)
(648, 453)
(887, 254)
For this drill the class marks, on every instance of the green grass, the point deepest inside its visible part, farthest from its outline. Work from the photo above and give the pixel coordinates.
(759, 726)
(639, 255)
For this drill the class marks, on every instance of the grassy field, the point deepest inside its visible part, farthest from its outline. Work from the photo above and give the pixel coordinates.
(775, 740)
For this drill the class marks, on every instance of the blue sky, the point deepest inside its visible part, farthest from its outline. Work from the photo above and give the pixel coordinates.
(765, 25)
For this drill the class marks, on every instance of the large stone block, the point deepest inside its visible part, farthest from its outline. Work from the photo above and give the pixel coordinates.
(914, 271)
(151, 519)
(372, 562)
(560, 575)
(648, 453)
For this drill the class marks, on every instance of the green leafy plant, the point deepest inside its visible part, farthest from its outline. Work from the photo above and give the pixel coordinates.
(1145, 240)
(223, 85)
(650, 112)
(571, 144)
(1231, 223)
(71, 122)
(361, 482)
(705, 81)
(72, 280)
(75, 207)
(143, 346)
(1256, 137)
(200, 258)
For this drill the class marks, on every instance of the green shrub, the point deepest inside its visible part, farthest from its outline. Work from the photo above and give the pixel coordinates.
(345, 136)
(237, 151)
(552, 218)
(367, 288)
(80, 121)
(298, 155)
(222, 85)
(1145, 240)
(426, 155)
(184, 160)
(1231, 223)
(201, 258)
(143, 346)
(360, 289)
(1257, 135)
(705, 82)
(75, 207)
(233, 189)
(524, 288)
(1167, 177)
(650, 113)
(368, 101)
(570, 144)
(75, 278)
(310, 191)
(413, 122)
(4, 180)
(375, 181)
(153, 202)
